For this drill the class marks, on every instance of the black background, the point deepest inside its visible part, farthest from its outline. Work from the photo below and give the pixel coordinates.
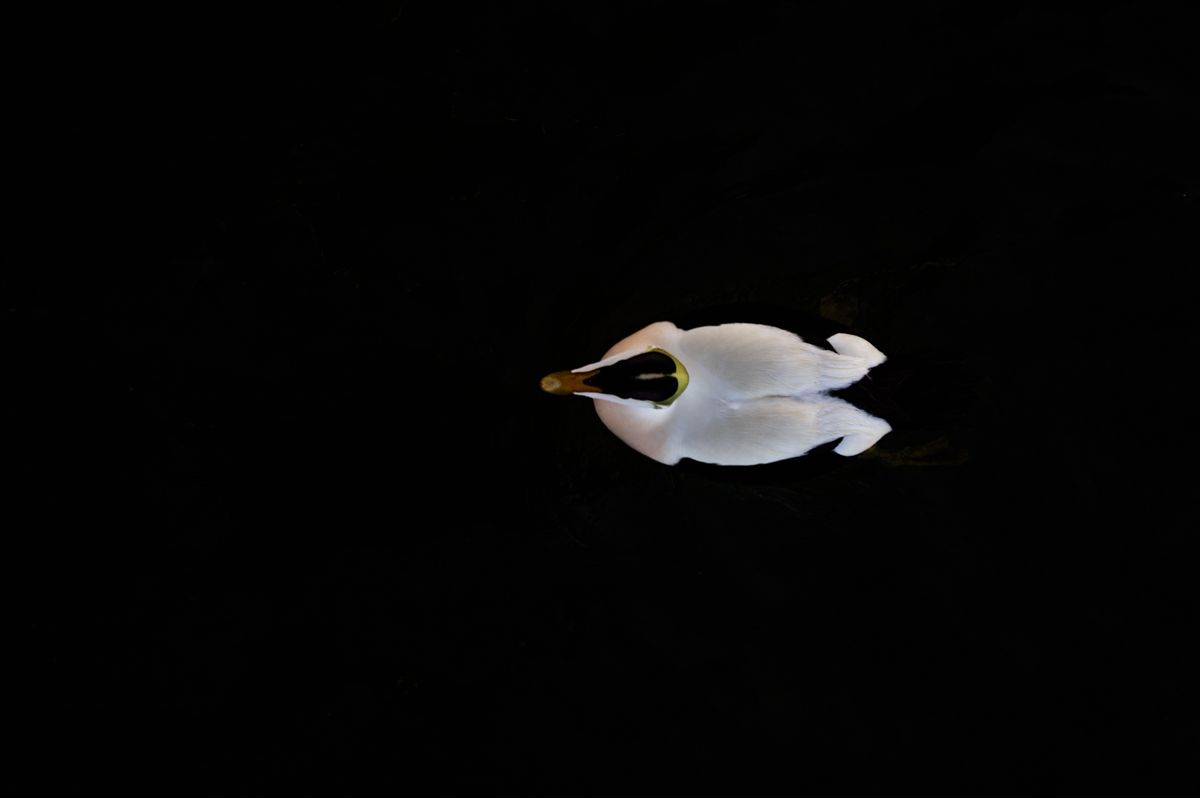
(340, 544)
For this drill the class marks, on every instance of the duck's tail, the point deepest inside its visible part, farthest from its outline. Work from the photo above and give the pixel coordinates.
(850, 361)
(860, 348)
(858, 429)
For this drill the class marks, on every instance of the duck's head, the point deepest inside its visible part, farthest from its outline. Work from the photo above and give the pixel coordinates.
(652, 377)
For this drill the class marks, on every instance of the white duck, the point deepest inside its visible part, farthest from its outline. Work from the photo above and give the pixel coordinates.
(731, 394)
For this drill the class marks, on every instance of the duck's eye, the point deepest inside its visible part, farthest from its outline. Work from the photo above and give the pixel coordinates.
(653, 376)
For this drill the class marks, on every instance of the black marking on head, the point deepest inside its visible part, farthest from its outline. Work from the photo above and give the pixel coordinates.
(649, 376)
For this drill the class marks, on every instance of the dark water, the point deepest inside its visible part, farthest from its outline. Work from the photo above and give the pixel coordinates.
(354, 550)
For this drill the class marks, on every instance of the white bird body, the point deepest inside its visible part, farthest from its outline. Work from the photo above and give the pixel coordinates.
(750, 394)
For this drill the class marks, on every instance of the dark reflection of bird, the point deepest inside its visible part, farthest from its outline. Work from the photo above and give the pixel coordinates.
(729, 394)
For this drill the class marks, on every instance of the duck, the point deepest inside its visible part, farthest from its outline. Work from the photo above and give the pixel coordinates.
(734, 394)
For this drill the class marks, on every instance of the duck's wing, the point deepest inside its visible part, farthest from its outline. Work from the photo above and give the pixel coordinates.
(766, 430)
(750, 361)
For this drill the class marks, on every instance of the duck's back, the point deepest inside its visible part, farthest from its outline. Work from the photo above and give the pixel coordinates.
(753, 361)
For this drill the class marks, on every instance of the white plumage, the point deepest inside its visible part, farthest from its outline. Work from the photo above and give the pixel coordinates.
(751, 394)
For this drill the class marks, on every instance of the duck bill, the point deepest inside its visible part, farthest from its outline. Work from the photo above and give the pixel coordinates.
(563, 383)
